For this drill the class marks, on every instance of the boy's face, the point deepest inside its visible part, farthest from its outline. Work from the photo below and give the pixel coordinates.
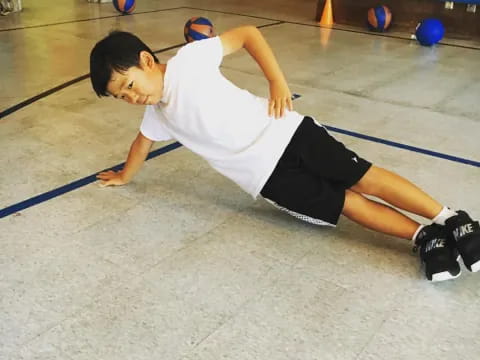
(141, 85)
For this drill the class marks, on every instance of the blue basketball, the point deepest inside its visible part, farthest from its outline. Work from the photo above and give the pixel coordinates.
(198, 28)
(430, 32)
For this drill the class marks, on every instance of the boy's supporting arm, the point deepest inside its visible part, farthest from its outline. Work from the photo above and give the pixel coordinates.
(250, 38)
(136, 157)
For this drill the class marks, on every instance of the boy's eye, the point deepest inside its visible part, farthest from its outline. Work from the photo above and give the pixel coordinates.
(130, 85)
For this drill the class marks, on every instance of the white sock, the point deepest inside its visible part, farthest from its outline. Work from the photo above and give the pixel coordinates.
(443, 215)
(416, 233)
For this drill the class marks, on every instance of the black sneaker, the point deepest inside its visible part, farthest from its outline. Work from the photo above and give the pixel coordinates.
(437, 253)
(466, 234)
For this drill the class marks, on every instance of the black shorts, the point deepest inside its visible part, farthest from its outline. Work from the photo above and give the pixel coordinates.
(311, 177)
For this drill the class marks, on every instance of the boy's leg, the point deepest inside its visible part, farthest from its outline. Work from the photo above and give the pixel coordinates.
(377, 216)
(460, 228)
(317, 171)
(436, 249)
(398, 192)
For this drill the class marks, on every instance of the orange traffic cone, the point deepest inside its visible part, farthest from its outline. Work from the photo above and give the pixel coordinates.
(327, 15)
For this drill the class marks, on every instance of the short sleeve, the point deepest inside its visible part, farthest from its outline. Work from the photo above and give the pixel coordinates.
(205, 54)
(151, 127)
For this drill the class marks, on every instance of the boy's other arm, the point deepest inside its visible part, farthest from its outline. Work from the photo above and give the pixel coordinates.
(136, 157)
(250, 38)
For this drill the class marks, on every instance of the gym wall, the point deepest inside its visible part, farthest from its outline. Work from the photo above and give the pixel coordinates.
(459, 23)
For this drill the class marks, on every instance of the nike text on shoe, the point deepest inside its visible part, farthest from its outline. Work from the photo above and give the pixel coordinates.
(466, 234)
(437, 253)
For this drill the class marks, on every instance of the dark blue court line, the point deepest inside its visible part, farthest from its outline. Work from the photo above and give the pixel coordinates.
(40, 96)
(404, 146)
(92, 178)
(75, 185)
(51, 91)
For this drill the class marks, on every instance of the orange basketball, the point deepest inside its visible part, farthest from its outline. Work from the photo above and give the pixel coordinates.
(379, 18)
(124, 6)
(198, 28)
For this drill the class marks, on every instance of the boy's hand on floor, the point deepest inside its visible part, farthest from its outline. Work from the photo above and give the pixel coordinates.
(280, 98)
(111, 178)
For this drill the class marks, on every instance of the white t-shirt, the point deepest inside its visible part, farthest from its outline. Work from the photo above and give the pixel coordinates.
(209, 115)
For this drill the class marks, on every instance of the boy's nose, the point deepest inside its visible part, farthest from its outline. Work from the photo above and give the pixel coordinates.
(133, 98)
(129, 98)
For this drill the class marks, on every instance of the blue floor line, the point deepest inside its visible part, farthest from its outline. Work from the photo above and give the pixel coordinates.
(92, 178)
(74, 185)
(404, 146)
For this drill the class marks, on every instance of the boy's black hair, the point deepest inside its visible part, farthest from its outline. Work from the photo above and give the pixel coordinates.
(118, 51)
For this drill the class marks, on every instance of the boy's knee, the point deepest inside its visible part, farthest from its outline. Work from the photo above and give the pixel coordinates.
(371, 181)
(353, 202)
(349, 198)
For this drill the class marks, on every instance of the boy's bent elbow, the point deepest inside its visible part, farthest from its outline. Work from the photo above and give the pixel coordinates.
(252, 32)
(238, 38)
(252, 28)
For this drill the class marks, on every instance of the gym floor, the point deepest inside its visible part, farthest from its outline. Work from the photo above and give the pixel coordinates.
(180, 263)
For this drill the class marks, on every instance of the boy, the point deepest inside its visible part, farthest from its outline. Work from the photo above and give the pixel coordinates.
(266, 147)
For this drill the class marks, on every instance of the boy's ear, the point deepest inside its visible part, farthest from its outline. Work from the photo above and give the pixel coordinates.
(146, 60)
